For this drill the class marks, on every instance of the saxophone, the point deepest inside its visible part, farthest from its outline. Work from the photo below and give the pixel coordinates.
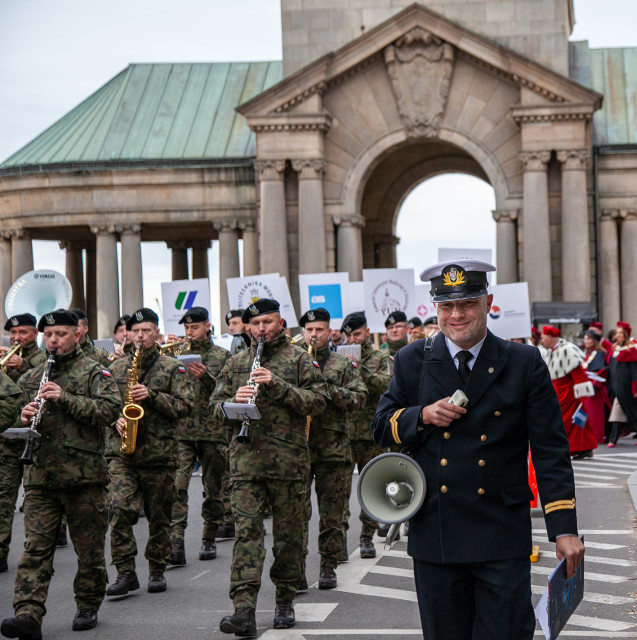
(312, 353)
(133, 412)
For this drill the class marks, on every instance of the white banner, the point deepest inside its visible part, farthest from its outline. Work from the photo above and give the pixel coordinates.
(287, 308)
(180, 295)
(510, 315)
(356, 300)
(327, 290)
(422, 307)
(386, 290)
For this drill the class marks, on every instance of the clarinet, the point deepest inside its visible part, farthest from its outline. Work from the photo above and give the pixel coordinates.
(244, 435)
(27, 455)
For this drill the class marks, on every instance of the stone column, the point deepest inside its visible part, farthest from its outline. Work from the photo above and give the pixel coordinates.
(349, 245)
(250, 249)
(609, 283)
(536, 247)
(21, 253)
(312, 246)
(387, 251)
(200, 258)
(576, 261)
(132, 276)
(628, 275)
(91, 290)
(75, 271)
(228, 258)
(107, 279)
(506, 245)
(5, 275)
(274, 228)
(179, 254)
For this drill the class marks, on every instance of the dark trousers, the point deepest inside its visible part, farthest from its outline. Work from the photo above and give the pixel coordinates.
(477, 601)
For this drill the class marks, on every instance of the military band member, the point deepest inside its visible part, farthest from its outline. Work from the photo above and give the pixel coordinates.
(88, 348)
(470, 540)
(238, 329)
(200, 438)
(24, 332)
(68, 476)
(122, 339)
(165, 396)
(272, 467)
(328, 439)
(397, 331)
(375, 367)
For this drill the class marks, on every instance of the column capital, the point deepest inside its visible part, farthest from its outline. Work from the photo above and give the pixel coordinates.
(309, 169)
(16, 234)
(505, 215)
(178, 245)
(270, 169)
(534, 160)
(101, 229)
(349, 220)
(225, 224)
(129, 228)
(70, 245)
(200, 245)
(610, 215)
(247, 225)
(574, 159)
(627, 216)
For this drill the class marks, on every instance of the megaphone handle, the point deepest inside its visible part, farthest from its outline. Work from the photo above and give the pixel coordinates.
(391, 534)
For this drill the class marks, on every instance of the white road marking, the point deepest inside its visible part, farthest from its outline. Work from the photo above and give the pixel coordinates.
(203, 573)
(597, 577)
(314, 611)
(578, 474)
(608, 466)
(586, 634)
(393, 571)
(597, 598)
(295, 634)
(603, 624)
(600, 532)
(605, 546)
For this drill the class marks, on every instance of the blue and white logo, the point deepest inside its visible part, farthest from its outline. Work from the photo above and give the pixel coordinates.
(327, 296)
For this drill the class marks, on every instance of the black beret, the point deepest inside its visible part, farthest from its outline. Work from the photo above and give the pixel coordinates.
(353, 321)
(259, 308)
(415, 322)
(121, 322)
(233, 313)
(20, 320)
(80, 313)
(315, 315)
(430, 320)
(142, 315)
(394, 317)
(195, 314)
(59, 318)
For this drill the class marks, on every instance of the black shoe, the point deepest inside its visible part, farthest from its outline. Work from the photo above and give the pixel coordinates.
(62, 540)
(327, 578)
(156, 582)
(208, 550)
(84, 619)
(241, 623)
(284, 616)
(126, 581)
(22, 627)
(367, 548)
(382, 532)
(302, 588)
(4, 567)
(177, 553)
(226, 530)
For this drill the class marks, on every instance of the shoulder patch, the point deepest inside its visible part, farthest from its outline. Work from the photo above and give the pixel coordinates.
(107, 373)
(181, 369)
(316, 364)
(391, 358)
(354, 364)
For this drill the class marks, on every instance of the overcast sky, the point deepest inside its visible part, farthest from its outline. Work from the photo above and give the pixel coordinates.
(55, 53)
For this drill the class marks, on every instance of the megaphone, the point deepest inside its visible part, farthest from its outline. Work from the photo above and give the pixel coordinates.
(391, 489)
(38, 292)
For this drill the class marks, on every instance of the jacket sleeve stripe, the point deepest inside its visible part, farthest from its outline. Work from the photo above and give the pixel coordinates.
(393, 421)
(559, 504)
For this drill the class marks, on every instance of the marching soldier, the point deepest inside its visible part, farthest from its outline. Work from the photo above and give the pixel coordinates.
(200, 438)
(376, 370)
(161, 389)
(328, 440)
(24, 332)
(272, 466)
(89, 350)
(122, 339)
(68, 476)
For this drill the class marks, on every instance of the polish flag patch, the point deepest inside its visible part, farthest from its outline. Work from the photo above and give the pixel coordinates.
(107, 373)
(181, 369)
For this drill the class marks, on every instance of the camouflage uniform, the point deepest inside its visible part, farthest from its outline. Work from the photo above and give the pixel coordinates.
(376, 370)
(11, 468)
(272, 467)
(330, 452)
(68, 475)
(200, 437)
(395, 347)
(151, 468)
(92, 352)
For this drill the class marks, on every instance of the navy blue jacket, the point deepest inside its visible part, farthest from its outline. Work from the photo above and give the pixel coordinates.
(477, 503)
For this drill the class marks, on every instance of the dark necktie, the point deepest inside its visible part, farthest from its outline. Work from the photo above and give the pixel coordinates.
(463, 367)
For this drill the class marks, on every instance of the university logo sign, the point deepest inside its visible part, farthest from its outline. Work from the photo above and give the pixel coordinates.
(185, 299)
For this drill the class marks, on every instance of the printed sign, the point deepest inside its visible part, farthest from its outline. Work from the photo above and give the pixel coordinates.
(327, 290)
(386, 290)
(180, 295)
(510, 314)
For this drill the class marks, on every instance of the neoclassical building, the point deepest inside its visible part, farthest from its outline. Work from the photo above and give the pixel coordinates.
(308, 161)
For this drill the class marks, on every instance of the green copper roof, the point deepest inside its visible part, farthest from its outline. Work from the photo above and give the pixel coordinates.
(611, 72)
(157, 112)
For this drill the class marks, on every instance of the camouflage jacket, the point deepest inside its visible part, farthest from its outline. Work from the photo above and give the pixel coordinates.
(170, 399)
(200, 425)
(395, 347)
(9, 392)
(329, 431)
(376, 370)
(278, 444)
(70, 451)
(92, 352)
(32, 356)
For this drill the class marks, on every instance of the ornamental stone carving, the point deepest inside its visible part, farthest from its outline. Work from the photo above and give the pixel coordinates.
(225, 224)
(574, 159)
(309, 169)
(534, 160)
(510, 215)
(270, 169)
(349, 221)
(420, 67)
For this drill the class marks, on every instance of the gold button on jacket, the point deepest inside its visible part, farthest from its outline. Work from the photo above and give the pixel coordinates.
(443, 462)
(443, 489)
(481, 491)
(481, 463)
(483, 438)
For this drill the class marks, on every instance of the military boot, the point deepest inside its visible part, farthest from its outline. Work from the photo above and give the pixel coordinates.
(284, 616)
(157, 582)
(22, 627)
(177, 553)
(327, 578)
(208, 550)
(126, 581)
(4, 567)
(242, 623)
(226, 530)
(367, 548)
(85, 619)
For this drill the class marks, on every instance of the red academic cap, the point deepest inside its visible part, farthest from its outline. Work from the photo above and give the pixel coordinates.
(551, 331)
(596, 325)
(625, 326)
(535, 332)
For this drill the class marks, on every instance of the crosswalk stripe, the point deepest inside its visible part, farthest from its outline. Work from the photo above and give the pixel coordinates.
(595, 532)
(597, 598)
(603, 624)
(589, 484)
(314, 611)
(393, 571)
(598, 577)
(579, 474)
(605, 546)
(605, 465)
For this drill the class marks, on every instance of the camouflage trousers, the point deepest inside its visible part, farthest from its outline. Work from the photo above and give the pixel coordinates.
(156, 485)
(85, 509)
(331, 486)
(248, 499)
(213, 457)
(10, 479)
(362, 452)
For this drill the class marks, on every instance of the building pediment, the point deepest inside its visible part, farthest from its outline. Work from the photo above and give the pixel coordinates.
(427, 41)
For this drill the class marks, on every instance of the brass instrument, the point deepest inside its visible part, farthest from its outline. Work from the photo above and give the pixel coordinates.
(311, 349)
(111, 356)
(296, 339)
(176, 348)
(16, 348)
(133, 412)
(244, 434)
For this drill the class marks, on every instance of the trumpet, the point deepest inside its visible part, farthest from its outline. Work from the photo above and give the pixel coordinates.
(16, 348)
(176, 348)
(244, 434)
(111, 356)
(311, 349)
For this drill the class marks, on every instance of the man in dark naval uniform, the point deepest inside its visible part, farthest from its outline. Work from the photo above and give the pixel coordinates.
(471, 539)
